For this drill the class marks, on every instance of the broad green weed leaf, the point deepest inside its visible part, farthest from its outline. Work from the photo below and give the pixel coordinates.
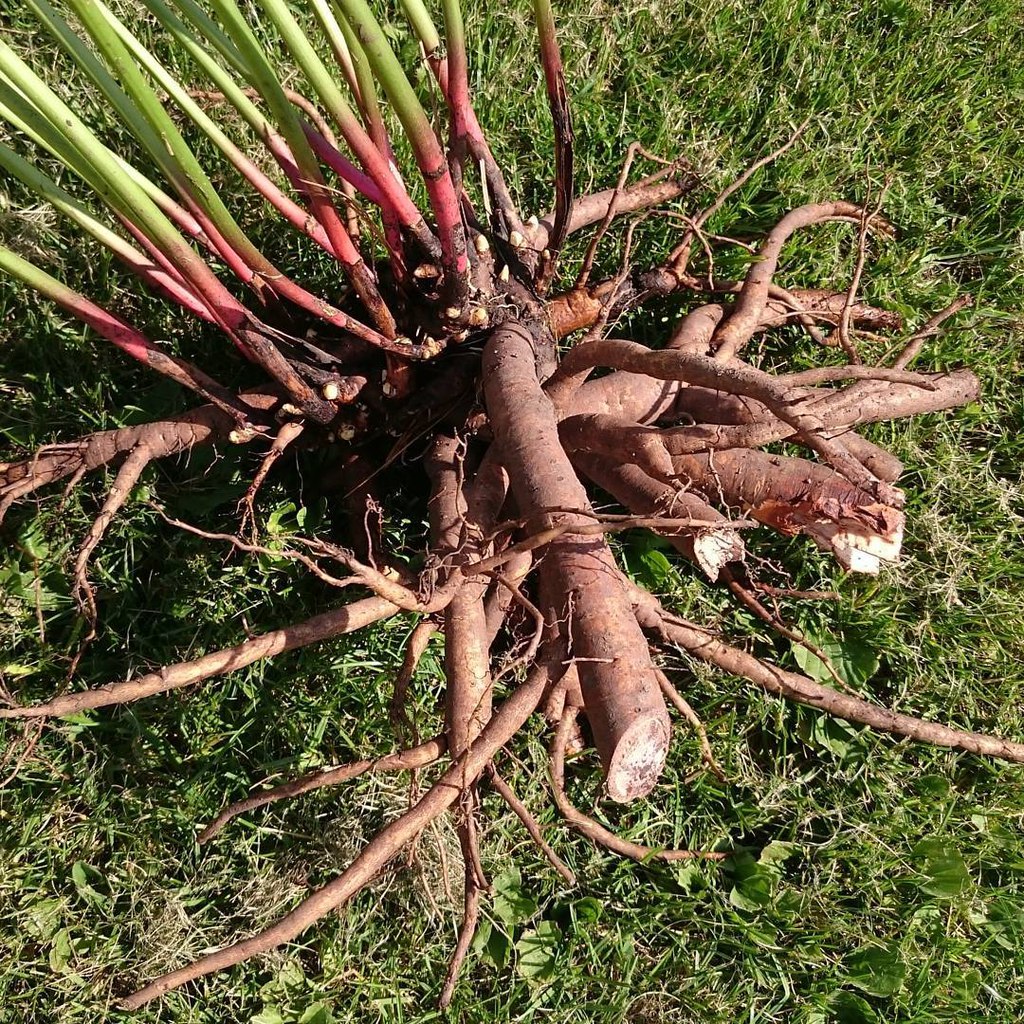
(848, 1008)
(538, 950)
(268, 1015)
(945, 873)
(854, 660)
(83, 876)
(317, 1013)
(61, 951)
(498, 948)
(876, 970)
(43, 918)
(511, 904)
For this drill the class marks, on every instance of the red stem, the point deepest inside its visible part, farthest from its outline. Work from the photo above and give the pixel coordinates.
(161, 275)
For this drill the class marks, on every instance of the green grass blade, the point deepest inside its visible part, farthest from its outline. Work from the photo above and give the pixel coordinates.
(157, 131)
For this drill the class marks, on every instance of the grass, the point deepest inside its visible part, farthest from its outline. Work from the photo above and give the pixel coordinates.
(877, 881)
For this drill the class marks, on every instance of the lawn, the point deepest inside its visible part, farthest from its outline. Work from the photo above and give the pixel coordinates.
(873, 880)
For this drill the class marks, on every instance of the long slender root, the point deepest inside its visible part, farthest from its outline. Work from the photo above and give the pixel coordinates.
(404, 760)
(127, 477)
(415, 648)
(683, 706)
(386, 845)
(467, 929)
(522, 812)
(595, 831)
(347, 619)
(802, 690)
(290, 431)
(51, 463)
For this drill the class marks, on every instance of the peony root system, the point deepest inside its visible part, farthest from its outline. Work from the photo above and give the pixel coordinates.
(543, 419)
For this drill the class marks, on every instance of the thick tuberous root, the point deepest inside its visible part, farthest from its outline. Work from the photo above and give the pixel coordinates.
(521, 452)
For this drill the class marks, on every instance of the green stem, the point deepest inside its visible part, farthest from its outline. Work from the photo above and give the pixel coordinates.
(430, 157)
(143, 267)
(458, 69)
(249, 112)
(123, 194)
(116, 331)
(561, 117)
(472, 135)
(290, 210)
(369, 155)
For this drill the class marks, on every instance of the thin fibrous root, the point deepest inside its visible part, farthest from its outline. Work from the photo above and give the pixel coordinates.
(127, 477)
(476, 885)
(530, 823)
(681, 254)
(470, 919)
(17, 754)
(204, 425)
(507, 721)
(348, 619)
(415, 647)
(928, 330)
(382, 584)
(749, 600)
(683, 706)
(802, 690)
(593, 830)
(289, 432)
(750, 306)
(403, 760)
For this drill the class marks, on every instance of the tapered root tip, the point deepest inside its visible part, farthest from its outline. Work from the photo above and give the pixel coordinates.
(639, 758)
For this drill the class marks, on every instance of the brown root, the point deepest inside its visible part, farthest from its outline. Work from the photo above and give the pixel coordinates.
(659, 188)
(347, 619)
(750, 307)
(521, 811)
(467, 929)
(386, 845)
(289, 432)
(518, 575)
(54, 462)
(802, 690)
(580, 585)
(593, 830)
(683, 706)
(415, 648)
(404, 760)
(127, 477)
(711, 548)
(796, 496)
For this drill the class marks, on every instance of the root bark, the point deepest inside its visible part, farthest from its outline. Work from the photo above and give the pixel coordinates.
(518, 575)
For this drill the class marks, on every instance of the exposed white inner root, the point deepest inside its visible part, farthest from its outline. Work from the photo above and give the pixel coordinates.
(858, 550)
(639, 758)
(714, 549)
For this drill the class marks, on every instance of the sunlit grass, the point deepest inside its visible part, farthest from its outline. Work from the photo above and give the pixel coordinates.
(879, 881)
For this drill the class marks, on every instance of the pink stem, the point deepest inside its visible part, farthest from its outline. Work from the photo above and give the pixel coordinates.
(345, 168)
(160, 275)
(267, 276)
(139, 347)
